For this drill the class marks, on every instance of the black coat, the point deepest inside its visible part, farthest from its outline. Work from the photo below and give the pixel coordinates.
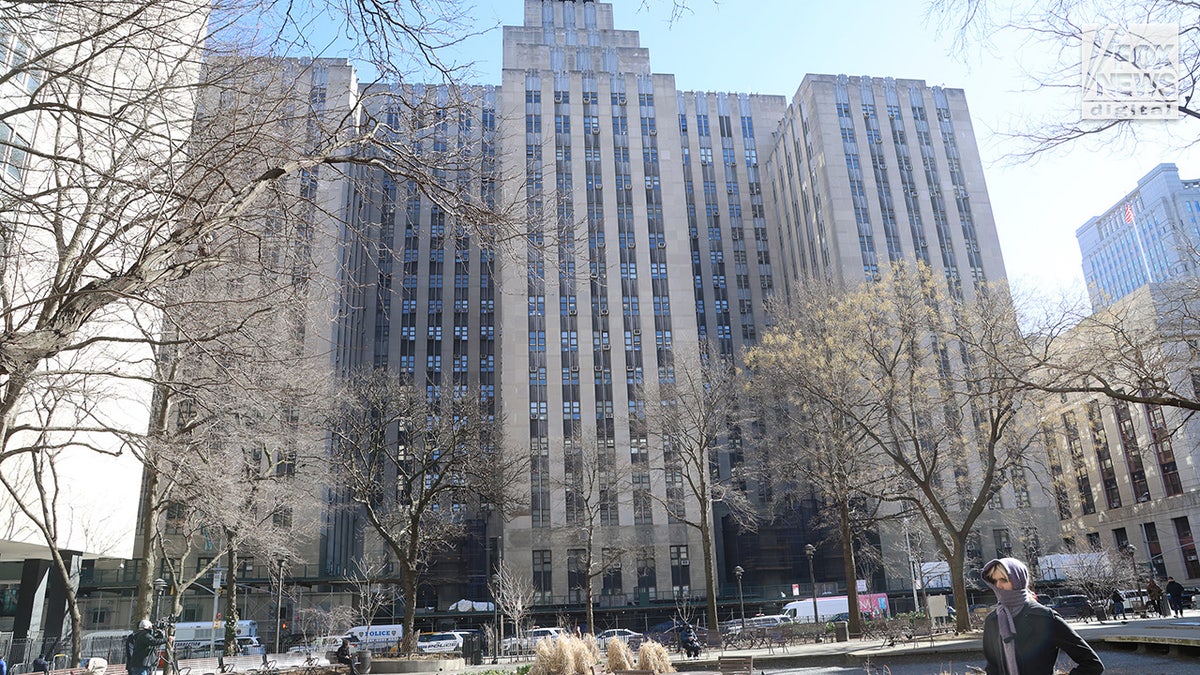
(145, 647)
(1175, 589)
(1041, 633)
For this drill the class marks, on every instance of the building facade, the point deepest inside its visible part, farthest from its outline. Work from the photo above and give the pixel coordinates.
(1125, 474)
(658, 225)
(1149, 236)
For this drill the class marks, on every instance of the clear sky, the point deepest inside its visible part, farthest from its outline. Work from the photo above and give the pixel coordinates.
(766, 46)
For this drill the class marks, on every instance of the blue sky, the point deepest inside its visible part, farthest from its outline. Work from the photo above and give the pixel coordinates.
(766, 46)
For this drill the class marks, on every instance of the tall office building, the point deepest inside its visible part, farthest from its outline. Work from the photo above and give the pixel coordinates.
(869, 171)
(1151, 235)
(653, 231)
(658, 224)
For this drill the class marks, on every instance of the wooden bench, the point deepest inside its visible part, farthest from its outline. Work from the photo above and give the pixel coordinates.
(110, 669)
(735, 665)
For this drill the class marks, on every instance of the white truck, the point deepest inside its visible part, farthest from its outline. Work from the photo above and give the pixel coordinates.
(829, 607)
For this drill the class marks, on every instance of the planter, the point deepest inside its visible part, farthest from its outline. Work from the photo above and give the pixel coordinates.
(386, 666)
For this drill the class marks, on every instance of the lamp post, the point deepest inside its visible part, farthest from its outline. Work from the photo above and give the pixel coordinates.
(217, 573)
(496, 634)
(279, 607)
(738, 572)
(160, 585)
(809, 550)
(1130, 551)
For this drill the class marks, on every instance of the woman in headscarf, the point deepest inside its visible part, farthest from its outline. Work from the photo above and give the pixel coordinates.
(1022, 637)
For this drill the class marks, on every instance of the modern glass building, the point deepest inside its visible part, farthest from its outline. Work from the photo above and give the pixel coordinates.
(1148, 236)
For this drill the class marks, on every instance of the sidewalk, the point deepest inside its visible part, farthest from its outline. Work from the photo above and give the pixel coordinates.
(1174, 633)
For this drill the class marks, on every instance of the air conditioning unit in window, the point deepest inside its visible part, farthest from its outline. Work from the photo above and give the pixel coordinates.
(574, 369)
(654, 132)
(595, 131)
(606, 347)
(599, 369)
(637, 331)
(604, 311)
(572, 312)
(662, 244)
(685, 563)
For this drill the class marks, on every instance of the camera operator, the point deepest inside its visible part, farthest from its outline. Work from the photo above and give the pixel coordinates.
(141, 648)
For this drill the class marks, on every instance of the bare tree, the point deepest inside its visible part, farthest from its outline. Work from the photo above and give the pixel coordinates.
(514, 595)
(412, 463)
(934, 396)
(694, 416)
(371, 590)
(815, 446)
(149, 140)
(1063, 30)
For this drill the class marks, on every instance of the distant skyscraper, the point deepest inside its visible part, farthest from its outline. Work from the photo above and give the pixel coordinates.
(1150, 235)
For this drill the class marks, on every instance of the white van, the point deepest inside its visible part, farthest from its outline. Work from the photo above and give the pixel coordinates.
(376, 637)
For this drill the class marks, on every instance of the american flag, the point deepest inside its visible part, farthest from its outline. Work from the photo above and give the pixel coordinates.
(1129, 212)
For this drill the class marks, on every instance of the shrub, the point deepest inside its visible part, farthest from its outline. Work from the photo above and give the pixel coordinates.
(619, 656)
(567, 655)
(653, 656)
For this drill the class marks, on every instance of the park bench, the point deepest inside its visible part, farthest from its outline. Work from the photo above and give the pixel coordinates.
(735, 665)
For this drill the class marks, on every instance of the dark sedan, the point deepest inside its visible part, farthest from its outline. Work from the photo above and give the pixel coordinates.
(1073, 607)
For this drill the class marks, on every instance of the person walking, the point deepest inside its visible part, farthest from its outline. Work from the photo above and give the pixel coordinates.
(3, 665)
(1022, 637)
(1118, 605)
(41, 664)
(1155, 593)
(141, 649)
(345, 657)
(1175, 596)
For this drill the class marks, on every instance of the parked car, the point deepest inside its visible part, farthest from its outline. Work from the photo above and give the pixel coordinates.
(1073, 607)
(668, 632)
(527, 642)
(440, 643)
(1189, 593)
(620, 634)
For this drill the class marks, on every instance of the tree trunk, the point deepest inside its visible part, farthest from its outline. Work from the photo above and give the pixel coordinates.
(231, 615)
(850, 567)
(408, 579)
(710, 582)
(144, 590)
(958, 582)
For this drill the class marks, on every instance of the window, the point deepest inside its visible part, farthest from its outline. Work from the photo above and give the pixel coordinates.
(681, 575)
(13, 154)
(542, 576)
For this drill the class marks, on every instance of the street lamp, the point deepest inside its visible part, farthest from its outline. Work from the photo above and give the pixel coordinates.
(809, 550)
(1129, 550)
(496, 634)
(738, 572)
(160, 585)
(218, 575)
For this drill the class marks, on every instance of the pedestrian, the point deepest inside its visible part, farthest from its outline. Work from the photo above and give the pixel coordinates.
(1022, 637)
(345, 657)
(1155, 593)
(1118, 605)
(1175, 595)
(690, 642)
(41, 664)
(141, 649)
(3, 665)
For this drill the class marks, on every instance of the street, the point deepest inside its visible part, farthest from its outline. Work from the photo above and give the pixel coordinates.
(1115, 663)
